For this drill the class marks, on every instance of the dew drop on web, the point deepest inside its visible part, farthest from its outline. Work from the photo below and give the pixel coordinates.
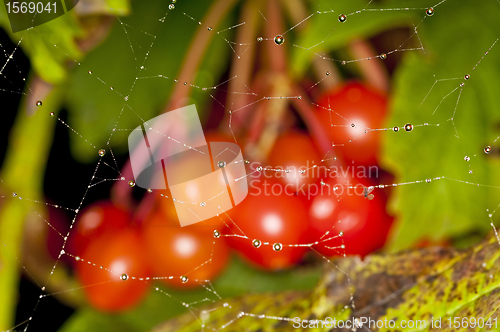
(277, 247)
(279, 40)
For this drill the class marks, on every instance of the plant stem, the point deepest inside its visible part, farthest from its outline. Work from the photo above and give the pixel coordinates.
(196, 52)
(297, 12)
(23, 172)
(242, 66)
(121, 191)
(373, 70)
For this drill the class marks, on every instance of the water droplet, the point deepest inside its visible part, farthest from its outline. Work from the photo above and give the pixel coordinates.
(470, 172)
(122, 178)
(247, 161)
(428, 180)
(209, 28)
(77, 258)
(343, 62)
(408, 127)
(323, 183)
(467, 76)
(184, 279)
(124, 277)
(171, 6)
(221, 164)
(342, 18)
(150, 190)
(259, 168)
(216, 234)
(487, 149)
(277, 246)
(353, 125)
(256, 243)
(327, 73)
(466, 158)
(430, 11)
(102, 152)
(126, 98)
(203, 204)
(14, 194)
(341, 233)
(51, 114)
(111, 88)
(90, 72)
(131, 183)
(383, 56)
(462, 84)
(38, 103)
(396, 129)
(259, 39)
(342, 246)
(279, 39)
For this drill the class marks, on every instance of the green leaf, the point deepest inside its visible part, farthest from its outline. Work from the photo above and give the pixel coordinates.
(237, 280)
(118, 61)
(446, 207)
(48, 61)
(325, 33)
(421, 285)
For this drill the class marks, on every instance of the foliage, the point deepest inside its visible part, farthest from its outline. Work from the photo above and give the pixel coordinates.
(422, 285)
(440, 208)
(446, 207)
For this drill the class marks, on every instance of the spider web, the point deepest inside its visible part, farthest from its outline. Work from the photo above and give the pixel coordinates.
(235, 97)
